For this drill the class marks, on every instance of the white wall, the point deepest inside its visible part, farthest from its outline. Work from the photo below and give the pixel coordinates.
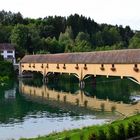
(6, 55)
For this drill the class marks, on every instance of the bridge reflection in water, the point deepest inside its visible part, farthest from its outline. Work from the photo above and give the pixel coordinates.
(78, 99)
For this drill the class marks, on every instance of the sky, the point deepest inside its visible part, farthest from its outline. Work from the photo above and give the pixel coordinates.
(120, 12)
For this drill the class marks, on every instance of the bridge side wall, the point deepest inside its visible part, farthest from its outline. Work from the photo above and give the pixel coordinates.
(121, 70)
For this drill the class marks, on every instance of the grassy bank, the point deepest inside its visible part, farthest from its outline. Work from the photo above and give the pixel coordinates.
(121, 129)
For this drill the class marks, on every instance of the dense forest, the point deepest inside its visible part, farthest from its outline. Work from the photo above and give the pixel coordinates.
(56, 34)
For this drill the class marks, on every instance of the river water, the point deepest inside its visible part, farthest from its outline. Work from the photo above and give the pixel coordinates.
(29, 108)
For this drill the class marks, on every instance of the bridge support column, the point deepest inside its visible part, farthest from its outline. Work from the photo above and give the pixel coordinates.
(81, 84)
(45, 79)
(94, 82)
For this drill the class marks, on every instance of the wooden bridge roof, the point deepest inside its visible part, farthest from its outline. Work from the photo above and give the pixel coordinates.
(128, 56)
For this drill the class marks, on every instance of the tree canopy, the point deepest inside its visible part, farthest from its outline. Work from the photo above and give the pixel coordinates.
(60, 34)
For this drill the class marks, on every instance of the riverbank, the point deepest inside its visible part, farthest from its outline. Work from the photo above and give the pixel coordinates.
(120, 129)
(6, 72)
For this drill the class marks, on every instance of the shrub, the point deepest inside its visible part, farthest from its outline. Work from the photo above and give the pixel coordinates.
(102, 135)
(130, 131)
(136, 125)
(93, 137)
(121, 132)
(67, 138)
(112, 134)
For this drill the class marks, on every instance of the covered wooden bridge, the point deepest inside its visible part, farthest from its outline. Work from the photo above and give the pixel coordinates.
(122, 63)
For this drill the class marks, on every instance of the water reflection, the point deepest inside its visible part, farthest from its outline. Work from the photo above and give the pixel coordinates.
(82, 98)
(31, 108)
(10, 94)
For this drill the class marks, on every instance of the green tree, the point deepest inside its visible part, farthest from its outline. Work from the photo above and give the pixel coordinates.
(33, 43)
(135, 41)
(19, 36)
(82, 36)
(5, 33)
(82, 43)
(82, 46)
(66, 39)
(54, 46)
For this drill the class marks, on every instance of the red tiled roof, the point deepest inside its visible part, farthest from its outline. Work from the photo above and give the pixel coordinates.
(128, 56)
(6, 46)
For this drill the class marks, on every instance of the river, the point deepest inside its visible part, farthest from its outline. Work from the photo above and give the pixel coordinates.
(29, 108)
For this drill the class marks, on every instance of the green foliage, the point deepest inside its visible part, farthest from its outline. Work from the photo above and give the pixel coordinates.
(66, 39)
(135, 41)
(9, 18)
(82, 46)
(4, 79)
(67, 138)
(136, 125)
(82, 36)
(112, 133)
(19, 36)
(6, 69)
(54, 46)
(5, 33)
(121, 132)
(60, 34)
(101, 135)
(1, 57)
(130, 131)
(93, 137)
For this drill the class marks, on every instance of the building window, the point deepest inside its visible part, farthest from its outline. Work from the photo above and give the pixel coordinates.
(9, 51)
(9, 56)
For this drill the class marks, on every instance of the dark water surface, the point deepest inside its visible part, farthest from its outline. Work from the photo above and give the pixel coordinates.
(29, 108)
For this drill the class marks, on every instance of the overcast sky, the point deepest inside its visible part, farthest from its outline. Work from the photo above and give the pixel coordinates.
(120, 12)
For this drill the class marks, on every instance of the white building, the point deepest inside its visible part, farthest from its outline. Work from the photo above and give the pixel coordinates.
(7, 51)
